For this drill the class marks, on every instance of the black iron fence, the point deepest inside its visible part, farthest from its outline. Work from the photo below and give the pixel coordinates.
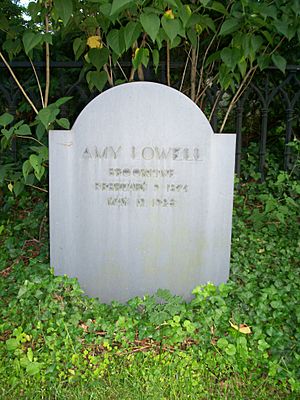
(267, 112)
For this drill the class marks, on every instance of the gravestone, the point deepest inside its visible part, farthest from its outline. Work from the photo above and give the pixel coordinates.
(141, 193)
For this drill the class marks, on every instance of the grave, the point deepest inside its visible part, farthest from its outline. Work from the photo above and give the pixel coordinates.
(141, 194)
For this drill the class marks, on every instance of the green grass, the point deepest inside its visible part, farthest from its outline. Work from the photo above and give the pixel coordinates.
(57, 344)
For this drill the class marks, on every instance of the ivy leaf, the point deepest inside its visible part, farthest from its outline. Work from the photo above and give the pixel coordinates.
(64, 9)
(131, 33)
(97, 79)
(47, 115)
(229, 26)
(64, 123)
(6, 119)
(37, 166)
(151, 24)
(119, 5)
(26, 168)
(31, 40)
(171, 27)
(24, 130)
(98, 57)
(279, 62)
(78, 47)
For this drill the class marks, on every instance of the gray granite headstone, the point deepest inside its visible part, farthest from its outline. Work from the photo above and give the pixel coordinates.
(141, 193)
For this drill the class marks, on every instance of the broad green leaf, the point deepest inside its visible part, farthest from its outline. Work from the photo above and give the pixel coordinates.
(263, 62)
(116, 42)
(229, 26)
(31, 40)
(119, 5)
(213, 57)
(267, 36)
(171, 27)
(47, 115)
(222, 343)
(105, 9)
(131, 33)
(30, 354)
(282, 27)
(64, 9)
(219, 7)
(36, 164)
(155, 58)
(98, 57)
(33, 368)
(47, 38)
(141, 57)
(13, 47)
(78, 47)
(64, 123)
(18, 188)
(12, 344)
(185, 14)
(242, 67)
(192, 36)
(23, 130)
(151, 24)
(6, 119)
(4, 24)
(256, 42)
(231, 57)
(225, 78)
(279, 62)
(175, 43)
(96, 79)
(27, 168)
(230, 350)
(8, 133)
(62, 100)
(40, 131)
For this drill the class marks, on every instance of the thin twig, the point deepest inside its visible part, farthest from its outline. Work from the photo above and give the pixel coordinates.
(202, 66)
(47, 88)
(30, 137)
(214, 106)
(193, 73)
(168, 64)
(236, 97)
(185, 67)
(18, 83)
(119, 65)
(38, 188)
(38, 82)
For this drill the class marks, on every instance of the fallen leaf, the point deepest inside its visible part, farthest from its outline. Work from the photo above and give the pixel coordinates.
(243, 328)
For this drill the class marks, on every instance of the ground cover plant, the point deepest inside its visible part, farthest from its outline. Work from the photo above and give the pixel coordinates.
(240, 340)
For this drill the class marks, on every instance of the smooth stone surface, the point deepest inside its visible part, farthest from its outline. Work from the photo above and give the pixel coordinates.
(141, 194)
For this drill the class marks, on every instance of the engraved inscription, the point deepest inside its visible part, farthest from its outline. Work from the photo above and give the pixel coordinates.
(147, 153)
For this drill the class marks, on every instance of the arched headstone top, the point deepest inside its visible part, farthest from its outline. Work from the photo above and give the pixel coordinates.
(158, 101)
(141, 195)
